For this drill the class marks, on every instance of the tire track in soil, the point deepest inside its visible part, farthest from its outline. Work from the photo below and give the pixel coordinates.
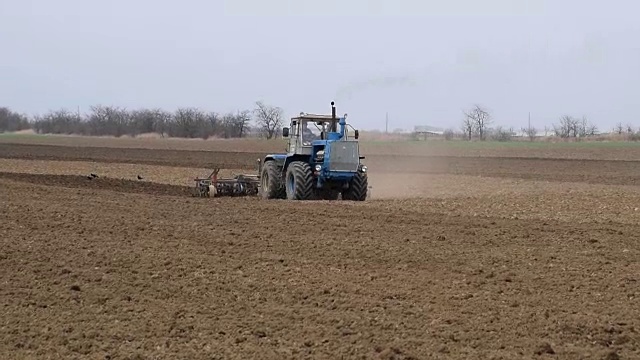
(101, 183)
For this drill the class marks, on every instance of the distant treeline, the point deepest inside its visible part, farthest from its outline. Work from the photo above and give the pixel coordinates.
(116, 121)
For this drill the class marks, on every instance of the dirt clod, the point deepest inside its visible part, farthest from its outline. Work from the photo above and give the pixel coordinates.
(612, 355)
(545, 349)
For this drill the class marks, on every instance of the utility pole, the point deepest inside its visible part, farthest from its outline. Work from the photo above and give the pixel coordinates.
(386, 124)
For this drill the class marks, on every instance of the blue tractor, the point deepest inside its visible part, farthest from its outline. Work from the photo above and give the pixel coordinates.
(322, 162)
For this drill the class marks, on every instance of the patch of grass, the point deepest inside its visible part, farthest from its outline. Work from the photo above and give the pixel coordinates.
(12, 135)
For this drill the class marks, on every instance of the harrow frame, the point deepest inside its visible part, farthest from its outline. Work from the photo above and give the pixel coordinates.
(238, 185)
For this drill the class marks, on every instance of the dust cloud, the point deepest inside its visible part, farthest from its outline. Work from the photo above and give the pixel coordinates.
(392, 177)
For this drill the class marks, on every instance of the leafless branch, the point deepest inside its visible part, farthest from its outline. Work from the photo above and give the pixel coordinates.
(530, 132)
(268, 119)
(477, 119)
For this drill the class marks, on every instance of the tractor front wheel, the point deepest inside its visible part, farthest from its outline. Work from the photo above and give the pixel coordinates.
(357, 190)
(299, 181)
(271, 182)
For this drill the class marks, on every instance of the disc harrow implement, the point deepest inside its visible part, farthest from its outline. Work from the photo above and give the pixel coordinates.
(238, 185)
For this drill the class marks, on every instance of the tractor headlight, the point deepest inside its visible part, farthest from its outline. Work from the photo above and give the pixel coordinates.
(363, 168)
(318, 167)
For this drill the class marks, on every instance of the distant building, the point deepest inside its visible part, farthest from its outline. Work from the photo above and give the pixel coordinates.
(427, 128)
(538, 134)
(425, 132)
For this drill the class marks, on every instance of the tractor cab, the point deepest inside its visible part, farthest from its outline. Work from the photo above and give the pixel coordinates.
(307, 131)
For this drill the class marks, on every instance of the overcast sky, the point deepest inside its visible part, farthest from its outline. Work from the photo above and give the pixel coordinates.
(423, 62)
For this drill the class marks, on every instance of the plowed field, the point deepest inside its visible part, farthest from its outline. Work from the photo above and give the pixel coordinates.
(469, 258)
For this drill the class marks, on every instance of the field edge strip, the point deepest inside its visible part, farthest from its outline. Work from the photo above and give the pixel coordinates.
(99, 183)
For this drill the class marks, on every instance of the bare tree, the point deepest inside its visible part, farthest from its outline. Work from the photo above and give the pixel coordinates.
(501, 134)
(468, 127)
(570, 127)
(12, 121)
(163, 120)
(480, 118)
(115, 121)
(109, 120)
(268, 119)
(143, 121)
(449, 134)
(587, 128)
(236, 125)
(530, 132)
(567, 127)
(243, 119)
(619, 129)
(60, 122)
(190, 123)
(214, 122)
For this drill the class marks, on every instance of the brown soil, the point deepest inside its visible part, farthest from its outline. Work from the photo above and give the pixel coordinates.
(619, 172)
(101, 183)
(498, 268)
(561, 150)
(150, 173)
(208, 159)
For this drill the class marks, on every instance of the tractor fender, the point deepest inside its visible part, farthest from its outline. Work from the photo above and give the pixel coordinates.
(291, 158)
(279, 159)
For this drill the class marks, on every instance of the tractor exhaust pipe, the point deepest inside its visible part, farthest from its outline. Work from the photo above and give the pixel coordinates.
(334, 121)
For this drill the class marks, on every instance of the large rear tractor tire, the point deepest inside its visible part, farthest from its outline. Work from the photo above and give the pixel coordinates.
(271, 186)
(299, 181)
(357, 190)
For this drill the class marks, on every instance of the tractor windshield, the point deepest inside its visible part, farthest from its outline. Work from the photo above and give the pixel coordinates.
(310, 132)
